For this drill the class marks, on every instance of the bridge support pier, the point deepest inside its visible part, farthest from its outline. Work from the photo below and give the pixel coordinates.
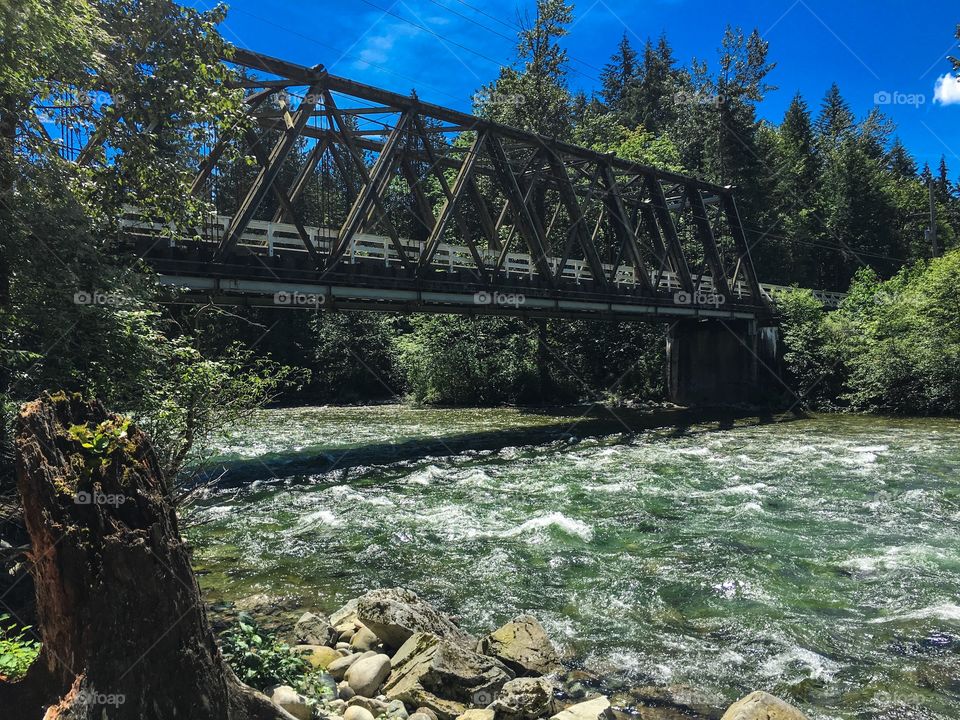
(722, 362)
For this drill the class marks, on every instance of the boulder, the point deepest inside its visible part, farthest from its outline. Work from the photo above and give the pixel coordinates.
(364, 639)
(525, 698)
(367, 674)
(443, 676)
(419, 716)
(522, 645)
(477, 714)
(762, 706)
(596, 709)
(312, 629)
(319, 656)
(344, 692)
(355, 712)
(346, 614)
(428, 712)
(394, 614)
(338, 668)
(286, 697)
(375, 706)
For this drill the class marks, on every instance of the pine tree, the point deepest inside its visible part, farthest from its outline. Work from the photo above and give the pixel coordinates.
(836, 120)
(900, 163)
(619, 76)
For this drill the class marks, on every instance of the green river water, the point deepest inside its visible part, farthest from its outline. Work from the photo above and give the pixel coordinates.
(816, 558)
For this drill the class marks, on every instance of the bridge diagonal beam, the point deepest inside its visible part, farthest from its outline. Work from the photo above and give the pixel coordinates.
(286, 206)
(302, 179)
(708, 240)
(490, 229)
(745, 264)
(568, 197)
(452, 197)
(648, 219)
(374, 184)
(623, 228)
(424, 208)
(661, 210)
(268, 173)
(529, 228)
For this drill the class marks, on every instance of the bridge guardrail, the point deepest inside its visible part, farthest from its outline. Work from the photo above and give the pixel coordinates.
(270, 237)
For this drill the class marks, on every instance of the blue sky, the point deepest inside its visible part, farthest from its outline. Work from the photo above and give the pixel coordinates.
(886, 49)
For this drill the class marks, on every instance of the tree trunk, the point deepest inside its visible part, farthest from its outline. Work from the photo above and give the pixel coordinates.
(124, 630)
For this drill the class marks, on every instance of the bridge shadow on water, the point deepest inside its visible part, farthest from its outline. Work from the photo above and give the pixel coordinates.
(595, 421)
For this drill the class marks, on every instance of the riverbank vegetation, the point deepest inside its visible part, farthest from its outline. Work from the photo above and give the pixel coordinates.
(893, 346)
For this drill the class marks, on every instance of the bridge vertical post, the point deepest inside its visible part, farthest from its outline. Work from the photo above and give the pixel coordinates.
(724, 363)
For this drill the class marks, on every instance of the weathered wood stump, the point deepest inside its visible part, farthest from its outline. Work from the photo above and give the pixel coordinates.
(124, 629)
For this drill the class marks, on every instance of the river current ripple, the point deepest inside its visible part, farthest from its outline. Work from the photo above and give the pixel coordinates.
(818, 559)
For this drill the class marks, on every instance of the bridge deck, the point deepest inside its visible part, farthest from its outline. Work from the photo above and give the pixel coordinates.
(273, 267)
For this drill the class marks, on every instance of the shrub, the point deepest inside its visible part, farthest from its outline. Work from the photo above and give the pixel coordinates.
(17, 649)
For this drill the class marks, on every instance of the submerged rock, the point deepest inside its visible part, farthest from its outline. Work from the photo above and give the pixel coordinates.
(525, 698)
(523, 646)
(394, 614)
(444, 676)
(762, 706)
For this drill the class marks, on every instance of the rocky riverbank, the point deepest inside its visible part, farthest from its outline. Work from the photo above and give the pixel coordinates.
(389, 655)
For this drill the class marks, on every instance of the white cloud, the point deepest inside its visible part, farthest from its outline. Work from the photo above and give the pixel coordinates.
(947, 90)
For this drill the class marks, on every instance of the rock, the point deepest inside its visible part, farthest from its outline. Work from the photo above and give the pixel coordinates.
(396, 614)
(596, 709)
(762, 706)
(428, 712)
(420, 716)
(290, 700)
(375, 706)
(367, 674)
(344, 691)
(443, 676)
(396, 710)
(525, 698)
(346, 636)
(477, 714)
(335, 706)
(682, 697)
(343, 646)
(319, 656)
(338, 668)
(522, 645)
(348, 613)
(355, 712)
(312, 629)
(364, 639)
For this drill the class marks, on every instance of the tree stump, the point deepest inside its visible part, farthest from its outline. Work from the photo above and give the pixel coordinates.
(123, 626)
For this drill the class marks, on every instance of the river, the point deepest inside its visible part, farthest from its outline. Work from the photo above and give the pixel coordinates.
(817, 558)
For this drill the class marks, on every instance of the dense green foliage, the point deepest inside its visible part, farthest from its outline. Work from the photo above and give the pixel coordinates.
(18, 649)
(894, 346)
(73, 314)
(261, 660)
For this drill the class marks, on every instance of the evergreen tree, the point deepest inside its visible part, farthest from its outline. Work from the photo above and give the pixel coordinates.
(836, 120)
(619, 76)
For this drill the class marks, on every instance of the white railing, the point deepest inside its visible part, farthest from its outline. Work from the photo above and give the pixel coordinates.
(270, 236)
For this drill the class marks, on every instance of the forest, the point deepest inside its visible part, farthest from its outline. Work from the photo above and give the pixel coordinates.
(827, 197)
